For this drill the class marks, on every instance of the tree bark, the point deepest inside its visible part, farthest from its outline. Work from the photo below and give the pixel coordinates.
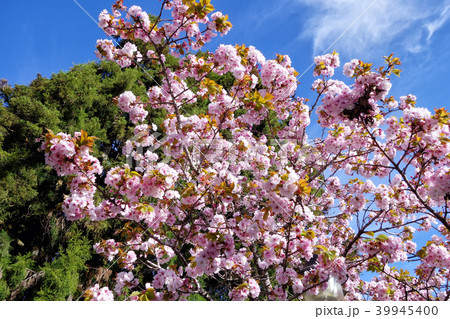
(27, 283)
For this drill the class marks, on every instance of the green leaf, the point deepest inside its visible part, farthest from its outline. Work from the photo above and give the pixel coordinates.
(195, 297)
(309, 234)
(382, 237)
(396, 72)
(134, 173)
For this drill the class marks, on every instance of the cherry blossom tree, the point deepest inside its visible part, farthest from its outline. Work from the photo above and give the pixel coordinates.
(224, 211)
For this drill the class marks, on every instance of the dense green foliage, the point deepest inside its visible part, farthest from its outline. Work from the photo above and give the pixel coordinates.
(35, 236)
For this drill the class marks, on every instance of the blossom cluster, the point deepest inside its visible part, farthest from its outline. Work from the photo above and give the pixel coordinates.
(99, 294)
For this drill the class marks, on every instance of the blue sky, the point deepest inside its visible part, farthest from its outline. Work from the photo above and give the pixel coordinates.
(49, 36)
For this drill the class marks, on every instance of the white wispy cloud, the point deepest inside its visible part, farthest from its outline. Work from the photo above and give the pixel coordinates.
(435, 25)
(408, 23)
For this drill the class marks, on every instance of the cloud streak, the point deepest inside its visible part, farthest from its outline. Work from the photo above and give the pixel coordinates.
(410, 23)
(435, 25)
